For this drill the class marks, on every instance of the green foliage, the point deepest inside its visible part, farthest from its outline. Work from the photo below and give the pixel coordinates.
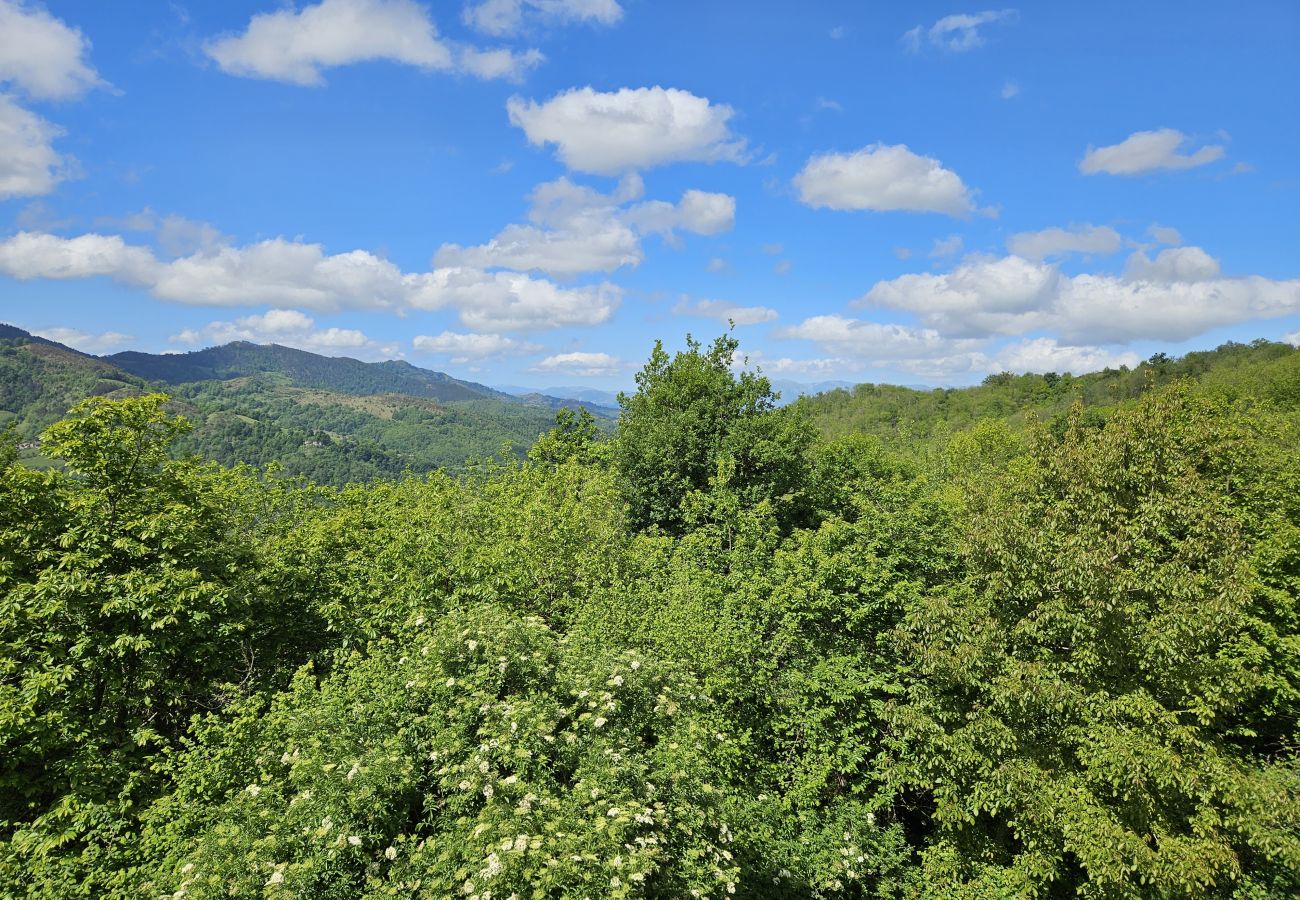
(483, 755)
(960, 648)
(694, 426)
(123, 610)
(1107, 703)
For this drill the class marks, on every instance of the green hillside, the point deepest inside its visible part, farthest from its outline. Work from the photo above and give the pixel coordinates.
(309, 370)
(918, 418)
(333, 421)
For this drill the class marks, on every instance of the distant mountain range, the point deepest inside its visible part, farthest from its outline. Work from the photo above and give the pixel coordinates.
(330, 418)
(241, 359)
(594, 396)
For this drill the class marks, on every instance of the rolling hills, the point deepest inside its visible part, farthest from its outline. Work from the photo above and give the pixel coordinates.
(334, 420)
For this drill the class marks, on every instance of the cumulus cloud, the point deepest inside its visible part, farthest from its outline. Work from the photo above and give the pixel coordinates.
(297, 45)
(29, 255)
(1172, 298)
(290, 328)
(956, 33)
(463, 348)
(632, 128)
(787, 366)
(1292, 338)
(873, 340)
(586, 365)
(576, 229)
(1057, 242)
(44, 59)
(1147, 151)
(1047, 355)
(700, 212)
(927, 353)
(1175, 264)
(1165, 235)
(284, 273)
(507, 17)
(498, 63)
(725, 311)
(86, 342)
(1010, 90)
(42, 56)
(29, 164)
(883, 178)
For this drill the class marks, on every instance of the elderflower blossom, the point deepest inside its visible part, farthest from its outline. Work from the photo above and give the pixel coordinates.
(390, 853)
(354, 841)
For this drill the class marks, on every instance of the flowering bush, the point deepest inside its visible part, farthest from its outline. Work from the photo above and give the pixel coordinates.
(482, 755)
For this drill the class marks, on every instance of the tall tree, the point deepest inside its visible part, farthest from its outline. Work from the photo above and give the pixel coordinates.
(694, 425)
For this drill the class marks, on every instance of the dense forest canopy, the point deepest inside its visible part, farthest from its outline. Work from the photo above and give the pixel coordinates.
(1037, 638)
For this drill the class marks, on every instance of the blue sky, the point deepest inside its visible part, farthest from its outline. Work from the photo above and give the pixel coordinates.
(532, 191)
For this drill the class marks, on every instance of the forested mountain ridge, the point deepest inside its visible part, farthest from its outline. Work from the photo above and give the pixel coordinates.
(308, 370)
(331, 420)
(714, 655)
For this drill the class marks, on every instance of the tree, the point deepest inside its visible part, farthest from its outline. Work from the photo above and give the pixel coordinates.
(1106, 706)
(695, 426)
(121, 613)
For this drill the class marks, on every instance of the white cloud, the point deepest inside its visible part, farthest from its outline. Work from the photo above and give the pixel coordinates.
(290, 328)
(956, 32)
(700, 212)
(1165, 235)
(926, 353)
(1173, 298)
(868, 340)
(463, 348)
(297, 45)
(587, 365)
(1056, 242)
(509, 301)
(507, 17)
(607, 245)
(773, 249)
(1147, 151)
(949, 246)
(1293, 338)
(499, 63)
(725, 310)
(286, 273)
(1046, 355)
(782, 267)
(787, 366)
(29, 164)
(1010, 89)
(29, 255)
(1174, 264)
(578, 229)
(84, 341)
(632, 128)
(717, 265)
(883, 178)
(41, 55)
